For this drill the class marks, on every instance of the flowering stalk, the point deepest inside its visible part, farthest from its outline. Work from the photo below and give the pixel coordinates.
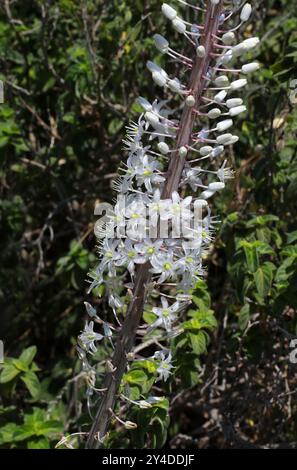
(156, 264)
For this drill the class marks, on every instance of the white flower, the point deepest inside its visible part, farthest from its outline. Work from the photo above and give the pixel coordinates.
(109, 254)
(129, 256)
(97, 278)
(88, 338)
(191, 262)
(192, 176)
(148, 248)
(163, 264)
(146, 173)
(164, 364)
(166, 315)
(135, 132)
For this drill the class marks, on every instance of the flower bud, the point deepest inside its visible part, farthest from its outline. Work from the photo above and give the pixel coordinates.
(224, 125)
(224, 138)
(159, 79)
(190, 101)
(161, 43)
(217, 151)
(246, 12)
(206, 194)
(174, 85)
(183, 151)
(251, 43)
(238, 84)
(152, 67)
(237, 110)
(168, 11)
(217, 186)
(238, 50)
(214, 113)
(144, 103)
(200, 51)
(234, 102)
(226, 58)
(228, 38)
(206, 150)
(179, 25)
(219, 97)
(222, 81)
(163, 148)
(250, 68)
(233, 140)
(91, 311)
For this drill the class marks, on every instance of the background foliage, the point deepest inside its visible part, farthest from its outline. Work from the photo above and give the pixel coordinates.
(72, 70)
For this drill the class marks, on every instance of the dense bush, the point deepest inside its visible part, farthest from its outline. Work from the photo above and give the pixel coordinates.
(71, 73)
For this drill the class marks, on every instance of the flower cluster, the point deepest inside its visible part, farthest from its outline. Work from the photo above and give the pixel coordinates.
(194, 130)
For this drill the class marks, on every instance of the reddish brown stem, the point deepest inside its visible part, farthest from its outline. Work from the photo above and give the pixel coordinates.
(126, 337)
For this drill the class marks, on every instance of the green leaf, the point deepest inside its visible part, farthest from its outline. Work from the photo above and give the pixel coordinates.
(262, 220)
(263, 279)
(200, 319)
(28, 355)
(7, 433)
(136, 377)
(251, 255)
(32, 383)
(244, 317)
(23, 432)
(40, 443)
(199, 342)
(159, 430)
(8, 373)
(46, 428)
(286, 270)
(201, 296)
(292, 237)
(20, 365)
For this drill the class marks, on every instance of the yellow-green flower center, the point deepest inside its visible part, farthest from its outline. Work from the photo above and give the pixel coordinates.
(167, 266)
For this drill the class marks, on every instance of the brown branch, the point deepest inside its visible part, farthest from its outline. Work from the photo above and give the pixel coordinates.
(126, 338)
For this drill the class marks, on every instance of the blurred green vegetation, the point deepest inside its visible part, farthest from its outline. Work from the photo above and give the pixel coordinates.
(72, 70)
